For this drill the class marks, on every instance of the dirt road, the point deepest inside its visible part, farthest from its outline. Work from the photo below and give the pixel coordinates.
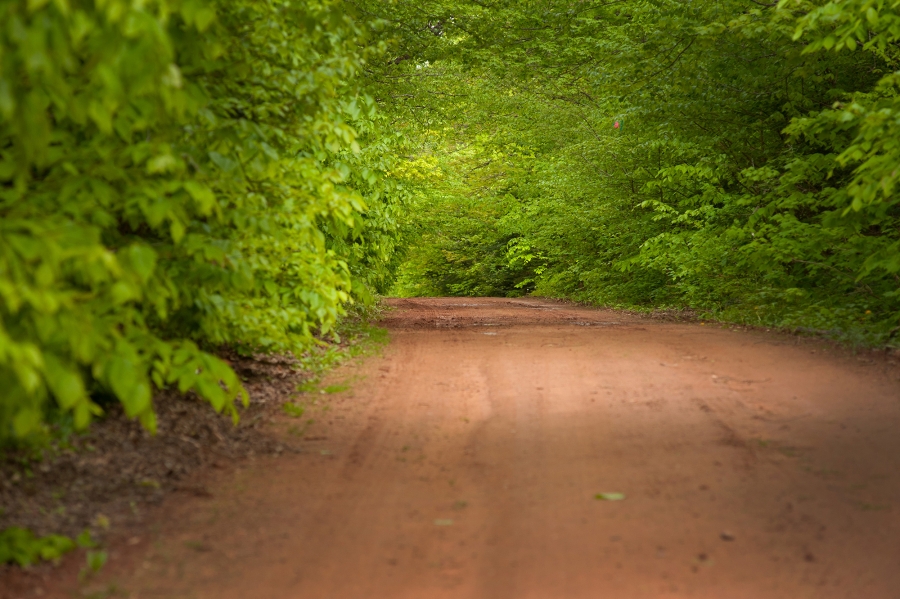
(466, 463)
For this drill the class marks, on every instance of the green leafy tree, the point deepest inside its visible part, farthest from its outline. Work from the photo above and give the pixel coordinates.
(178, 175)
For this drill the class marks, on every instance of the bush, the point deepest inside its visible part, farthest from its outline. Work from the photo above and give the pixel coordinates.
(176, 175)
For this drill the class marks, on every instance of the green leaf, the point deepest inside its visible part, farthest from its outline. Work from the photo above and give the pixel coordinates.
(26, 420)
(65, 383)
(141, 259)
(202, 194)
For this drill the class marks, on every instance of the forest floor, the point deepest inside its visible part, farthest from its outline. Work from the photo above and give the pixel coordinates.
(532, 449)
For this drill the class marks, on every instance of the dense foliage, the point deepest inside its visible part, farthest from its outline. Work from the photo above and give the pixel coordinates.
(177, 176)
(733, 156)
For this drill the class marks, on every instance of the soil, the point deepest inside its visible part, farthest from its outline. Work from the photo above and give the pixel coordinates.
(525, 448)
(107, 478)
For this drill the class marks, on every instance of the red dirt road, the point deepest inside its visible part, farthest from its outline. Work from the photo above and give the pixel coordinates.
(465, 461)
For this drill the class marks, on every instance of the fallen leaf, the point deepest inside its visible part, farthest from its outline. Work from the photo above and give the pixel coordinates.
(609, 496)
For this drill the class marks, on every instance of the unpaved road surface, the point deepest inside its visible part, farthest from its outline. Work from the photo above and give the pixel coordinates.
(466, 460)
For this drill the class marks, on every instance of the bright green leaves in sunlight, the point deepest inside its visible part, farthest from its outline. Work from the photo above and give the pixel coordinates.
(175, 176)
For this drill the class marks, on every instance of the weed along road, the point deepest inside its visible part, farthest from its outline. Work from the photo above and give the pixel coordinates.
(529, 449)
